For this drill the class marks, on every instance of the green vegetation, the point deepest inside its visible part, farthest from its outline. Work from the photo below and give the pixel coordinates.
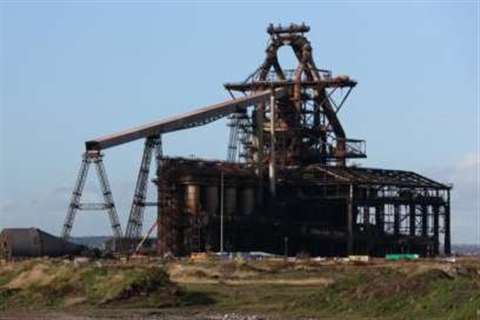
(56, 284)
(432, 294)
(411, 290)
(385, 290)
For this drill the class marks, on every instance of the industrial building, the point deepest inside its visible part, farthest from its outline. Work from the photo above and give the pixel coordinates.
(287, 185)
(317, 210)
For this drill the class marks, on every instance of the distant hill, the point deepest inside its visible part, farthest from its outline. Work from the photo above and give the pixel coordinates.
(466, 249)
(97, 242)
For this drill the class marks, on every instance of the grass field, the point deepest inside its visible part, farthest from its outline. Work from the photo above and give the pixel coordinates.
(274, 289)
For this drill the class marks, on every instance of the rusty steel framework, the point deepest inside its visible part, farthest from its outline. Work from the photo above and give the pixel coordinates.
(287, 180)
(307, 129)
(89, 158)
(135, 220)
(152, 134)
(287, 164)
(321, 210)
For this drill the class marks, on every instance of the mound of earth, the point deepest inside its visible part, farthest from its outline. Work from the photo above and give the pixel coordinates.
(269, 289)
(60, 284)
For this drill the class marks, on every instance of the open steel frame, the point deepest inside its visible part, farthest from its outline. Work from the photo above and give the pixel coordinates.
(286, 130)
(321, 210)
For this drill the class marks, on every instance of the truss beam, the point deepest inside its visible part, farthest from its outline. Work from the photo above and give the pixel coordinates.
(191, 119)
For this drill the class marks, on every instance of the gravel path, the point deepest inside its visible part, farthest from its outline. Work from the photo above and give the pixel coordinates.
(125, 314)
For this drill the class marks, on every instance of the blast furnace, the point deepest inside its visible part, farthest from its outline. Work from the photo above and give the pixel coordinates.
(287, 186)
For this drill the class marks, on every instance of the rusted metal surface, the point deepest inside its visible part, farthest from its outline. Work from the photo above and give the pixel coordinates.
(286, 174)
(322, 210)
(307, 128)
(189, 208)
(292, 181)
(191, 119)
(292, 28)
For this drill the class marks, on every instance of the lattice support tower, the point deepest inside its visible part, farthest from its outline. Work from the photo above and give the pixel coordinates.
(89, 158)
(136, 217)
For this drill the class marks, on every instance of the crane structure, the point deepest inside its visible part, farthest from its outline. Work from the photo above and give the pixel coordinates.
(287, 178)
(152, 134)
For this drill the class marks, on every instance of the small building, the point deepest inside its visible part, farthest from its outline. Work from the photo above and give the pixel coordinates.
(33, 242)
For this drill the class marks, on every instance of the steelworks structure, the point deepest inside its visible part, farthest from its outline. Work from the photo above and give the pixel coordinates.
(286, 186)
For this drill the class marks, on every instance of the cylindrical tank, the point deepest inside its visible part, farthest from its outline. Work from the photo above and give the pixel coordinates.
(230, 201)
(211, 200)
(192, 198)
(247, 200)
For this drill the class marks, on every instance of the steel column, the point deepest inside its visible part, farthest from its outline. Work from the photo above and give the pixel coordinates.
(135, 220)
(396, 219)
(108, 198)
(379, 218)
(272, 164)
(76, 196)
(350, 221)
(436, 243)
(412, 219)
(424, 220)
(447, 245)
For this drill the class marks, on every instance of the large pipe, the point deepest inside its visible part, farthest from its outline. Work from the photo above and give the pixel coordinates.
(350, 220)
(211, 201)
(192, 199)
(259, 154)
(271, 167)
(247, 200)
(230, 201)
(222, 200)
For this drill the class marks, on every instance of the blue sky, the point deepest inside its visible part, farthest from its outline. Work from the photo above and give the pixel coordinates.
(71, 71)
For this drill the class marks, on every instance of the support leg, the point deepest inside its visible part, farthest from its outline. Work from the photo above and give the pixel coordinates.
(108, 198)
(424, 220)
(135, 220)
(272, 163)
(76, 195)
(350, 221)
(412, 220)
(436, 240)
(396, 220)
(379, 218)
(447, 247)
(88, 158)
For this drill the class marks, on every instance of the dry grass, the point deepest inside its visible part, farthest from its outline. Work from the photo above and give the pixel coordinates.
(53, 283)
(375, 290)
(37, 276)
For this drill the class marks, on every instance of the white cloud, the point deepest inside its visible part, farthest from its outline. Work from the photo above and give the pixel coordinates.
(465, 176)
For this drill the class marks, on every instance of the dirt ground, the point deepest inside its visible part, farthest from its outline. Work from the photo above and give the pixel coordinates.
(243, 290)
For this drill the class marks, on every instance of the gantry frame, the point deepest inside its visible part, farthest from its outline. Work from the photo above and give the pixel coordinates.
(152, 134)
